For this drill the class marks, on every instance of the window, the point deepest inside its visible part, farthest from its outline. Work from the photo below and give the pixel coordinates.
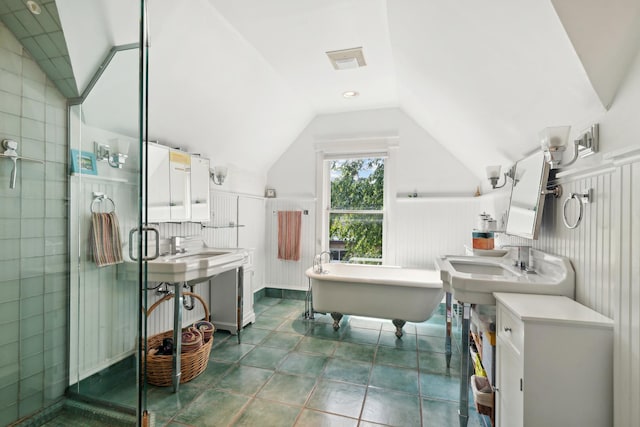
(355, 191)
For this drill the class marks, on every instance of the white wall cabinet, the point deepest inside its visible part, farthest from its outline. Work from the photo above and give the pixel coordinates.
(199, 189)
(159, 197)
(178, 185)
(554, 363)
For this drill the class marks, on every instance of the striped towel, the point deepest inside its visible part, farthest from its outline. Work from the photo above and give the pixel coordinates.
(289, 224)
(105, 239)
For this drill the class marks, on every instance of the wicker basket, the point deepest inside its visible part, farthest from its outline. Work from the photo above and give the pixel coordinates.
(160, 367)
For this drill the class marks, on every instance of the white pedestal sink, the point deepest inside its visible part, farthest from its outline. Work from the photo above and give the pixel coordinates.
(473, 279)
(194, 267)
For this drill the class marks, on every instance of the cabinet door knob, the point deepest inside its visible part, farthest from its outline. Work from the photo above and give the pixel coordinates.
(507, 329)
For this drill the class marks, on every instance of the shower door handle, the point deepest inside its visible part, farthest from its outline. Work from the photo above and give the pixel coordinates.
(144, 229)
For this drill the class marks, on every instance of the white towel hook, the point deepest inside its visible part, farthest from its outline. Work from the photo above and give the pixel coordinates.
(582, 198)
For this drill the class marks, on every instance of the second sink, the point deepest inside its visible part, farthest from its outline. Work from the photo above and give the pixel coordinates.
(473, 279)
(464, 266)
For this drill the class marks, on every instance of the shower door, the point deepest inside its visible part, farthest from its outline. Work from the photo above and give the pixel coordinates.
(109, 235)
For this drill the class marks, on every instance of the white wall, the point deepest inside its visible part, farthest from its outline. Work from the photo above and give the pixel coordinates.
(241, 181)
(423, 165)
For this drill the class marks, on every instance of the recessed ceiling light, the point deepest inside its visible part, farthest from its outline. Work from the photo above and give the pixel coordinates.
(34, 7)
(350, 94)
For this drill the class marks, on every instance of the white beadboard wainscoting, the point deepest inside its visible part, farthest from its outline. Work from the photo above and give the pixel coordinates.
(425, 227)
(626, 297)
(289, 274)
(419, 230)
(605, 252)
(103, 324)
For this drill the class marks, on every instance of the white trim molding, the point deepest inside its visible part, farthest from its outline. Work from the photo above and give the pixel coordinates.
(350, 146)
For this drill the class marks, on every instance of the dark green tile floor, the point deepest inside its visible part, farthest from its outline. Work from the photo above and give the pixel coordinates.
(289, 371)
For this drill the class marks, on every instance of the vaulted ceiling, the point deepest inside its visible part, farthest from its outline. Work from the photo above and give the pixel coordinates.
(239, 80)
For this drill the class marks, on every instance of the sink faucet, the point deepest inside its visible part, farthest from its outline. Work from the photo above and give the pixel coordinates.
(317, 261)
(522, 261)
(175, 245)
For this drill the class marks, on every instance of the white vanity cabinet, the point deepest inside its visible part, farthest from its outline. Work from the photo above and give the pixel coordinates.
(554, 363)
(224, 289)
(199, 189)
(248, 315)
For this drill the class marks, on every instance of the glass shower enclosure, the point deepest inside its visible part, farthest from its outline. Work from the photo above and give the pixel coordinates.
(108, 235)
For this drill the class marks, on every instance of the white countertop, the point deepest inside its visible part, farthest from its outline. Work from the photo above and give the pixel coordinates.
(532, 307)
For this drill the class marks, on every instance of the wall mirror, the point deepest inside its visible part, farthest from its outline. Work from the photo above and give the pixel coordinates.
(527, 198)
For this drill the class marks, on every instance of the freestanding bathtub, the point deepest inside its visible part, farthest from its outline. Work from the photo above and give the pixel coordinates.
(387, 292)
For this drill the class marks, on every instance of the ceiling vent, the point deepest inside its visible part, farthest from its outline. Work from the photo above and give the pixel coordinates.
(347, 58)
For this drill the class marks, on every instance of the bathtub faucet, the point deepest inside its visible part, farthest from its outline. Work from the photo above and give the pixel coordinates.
(317, 261)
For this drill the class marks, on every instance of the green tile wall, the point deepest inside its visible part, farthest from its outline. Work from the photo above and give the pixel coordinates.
(282, 293)
(41, 35)
(33, 233)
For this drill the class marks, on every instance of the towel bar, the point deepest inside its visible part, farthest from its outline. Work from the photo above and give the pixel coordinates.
(99, 198)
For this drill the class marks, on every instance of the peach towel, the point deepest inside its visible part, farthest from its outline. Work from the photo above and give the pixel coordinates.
(289, 225)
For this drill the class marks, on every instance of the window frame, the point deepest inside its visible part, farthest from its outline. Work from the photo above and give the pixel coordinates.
(329, 210)
(383, 147)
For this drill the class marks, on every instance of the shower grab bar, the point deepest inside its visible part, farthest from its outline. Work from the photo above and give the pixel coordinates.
(10, 146)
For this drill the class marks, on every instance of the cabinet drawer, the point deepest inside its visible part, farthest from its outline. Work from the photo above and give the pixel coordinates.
(510, 328)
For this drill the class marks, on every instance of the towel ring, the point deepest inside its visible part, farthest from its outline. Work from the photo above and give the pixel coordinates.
(101, 199)
(582, 198)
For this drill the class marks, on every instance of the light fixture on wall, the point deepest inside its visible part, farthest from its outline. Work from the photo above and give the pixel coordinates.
(553, 141)
(115, 157)
(493, 173)
(218, 174)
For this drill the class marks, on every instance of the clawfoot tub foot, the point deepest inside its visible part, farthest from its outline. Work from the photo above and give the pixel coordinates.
(336, 319)
(398, 324)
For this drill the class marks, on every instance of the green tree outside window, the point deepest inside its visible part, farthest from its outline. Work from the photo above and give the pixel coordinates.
(357, 202)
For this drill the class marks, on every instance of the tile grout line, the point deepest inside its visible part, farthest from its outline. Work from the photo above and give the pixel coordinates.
(420, 398)
(366, 389)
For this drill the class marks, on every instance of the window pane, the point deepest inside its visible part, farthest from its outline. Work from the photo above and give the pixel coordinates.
(357, 184)
(355, 235)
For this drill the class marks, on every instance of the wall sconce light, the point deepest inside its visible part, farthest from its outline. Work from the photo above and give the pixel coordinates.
(115, 159)
(218, 174)
(493, 173)
(553, 141)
